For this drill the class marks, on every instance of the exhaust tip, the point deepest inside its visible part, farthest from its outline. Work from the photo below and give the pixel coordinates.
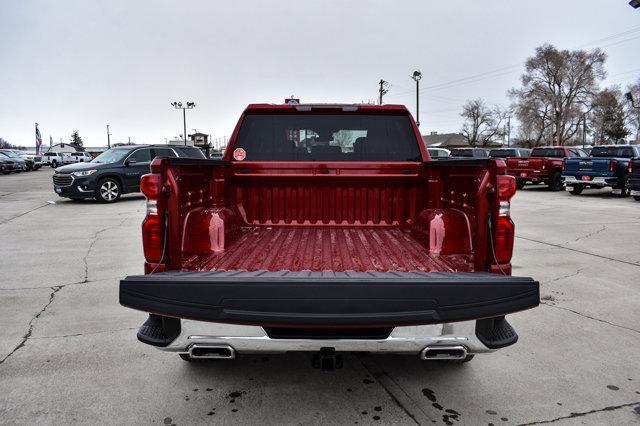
(211, 352)
(443, 352)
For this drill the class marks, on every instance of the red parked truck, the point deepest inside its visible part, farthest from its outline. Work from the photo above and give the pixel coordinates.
(543, 166)
(327, 228)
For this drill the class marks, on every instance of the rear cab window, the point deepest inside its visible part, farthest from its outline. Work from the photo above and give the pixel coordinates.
(328, 137)
(502, 153)
(613, 151)
(548, 152)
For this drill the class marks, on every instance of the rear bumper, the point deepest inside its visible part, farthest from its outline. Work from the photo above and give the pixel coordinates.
(245, 339)
(595, 182)
(328, 299)
(529, 175)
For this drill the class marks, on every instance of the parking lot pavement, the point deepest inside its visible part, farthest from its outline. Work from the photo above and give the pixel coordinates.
(68, 351)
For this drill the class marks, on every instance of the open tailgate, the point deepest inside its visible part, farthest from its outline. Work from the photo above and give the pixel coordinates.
(328, 298)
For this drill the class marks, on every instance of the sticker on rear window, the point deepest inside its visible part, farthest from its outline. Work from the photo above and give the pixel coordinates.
(239, 154)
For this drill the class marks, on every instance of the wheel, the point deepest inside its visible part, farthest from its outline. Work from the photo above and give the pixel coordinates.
(186, 357)
(636, 197)
(54, 164)
(520, 184)
(37, 167)
(108, 190)
(576, 190)
(625, 192)
(556, 182)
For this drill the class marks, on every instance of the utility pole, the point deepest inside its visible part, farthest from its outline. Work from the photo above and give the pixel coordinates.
(383, 89)
(508, 131)
(189, 105)
(108, 138)
(584, 130)
(417, 75)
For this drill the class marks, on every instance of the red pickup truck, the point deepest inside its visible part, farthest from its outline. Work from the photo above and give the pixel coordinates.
(544, 165)
(327, 228)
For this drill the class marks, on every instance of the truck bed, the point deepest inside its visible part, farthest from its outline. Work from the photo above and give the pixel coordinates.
(302, 248)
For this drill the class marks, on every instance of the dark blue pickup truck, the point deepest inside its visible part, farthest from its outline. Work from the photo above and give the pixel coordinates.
(608, 166)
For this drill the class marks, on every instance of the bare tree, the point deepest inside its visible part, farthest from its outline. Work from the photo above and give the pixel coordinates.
(482, 125)
(556, 93)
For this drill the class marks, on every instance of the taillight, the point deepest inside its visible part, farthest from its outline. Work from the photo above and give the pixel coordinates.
(152, 226)
(630, 166)
(506, 187)
(612, 165)
(564, 164)
(505, 229)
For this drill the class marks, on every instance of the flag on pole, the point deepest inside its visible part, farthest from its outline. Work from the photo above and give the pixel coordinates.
(38, 140)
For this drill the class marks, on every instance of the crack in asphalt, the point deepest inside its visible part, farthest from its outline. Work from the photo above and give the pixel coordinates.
(27, 335)
(589, 317)
(580, 251)
(582, 414)
(119, 277)
(56, 289)
(381, 377)
(85, 334)
(94, 240)
(573, 274)
(589, 235)
(22, 214)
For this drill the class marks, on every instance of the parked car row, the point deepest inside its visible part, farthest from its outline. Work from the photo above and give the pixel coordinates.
(115, 172)
(16, 161)
(572, 168)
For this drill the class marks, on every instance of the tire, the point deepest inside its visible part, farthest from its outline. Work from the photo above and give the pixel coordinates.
(636, 197)
(186, 357)
(576, 189)
(108, 190)
(520, 184)
(625, 188)
(556, 183)
(6, 173)
(54, 164)
(36, 167)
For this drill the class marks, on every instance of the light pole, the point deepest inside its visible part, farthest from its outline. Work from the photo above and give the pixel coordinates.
(417, 75)
(108, 138)
(184, 108)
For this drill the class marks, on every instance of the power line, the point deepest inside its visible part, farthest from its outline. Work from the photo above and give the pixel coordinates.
(489, 74)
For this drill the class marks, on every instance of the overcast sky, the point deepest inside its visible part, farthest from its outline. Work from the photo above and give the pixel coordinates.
(85, 64)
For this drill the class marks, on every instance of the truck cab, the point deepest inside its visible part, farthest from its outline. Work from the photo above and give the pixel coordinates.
(607, 167)
(325, 229)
